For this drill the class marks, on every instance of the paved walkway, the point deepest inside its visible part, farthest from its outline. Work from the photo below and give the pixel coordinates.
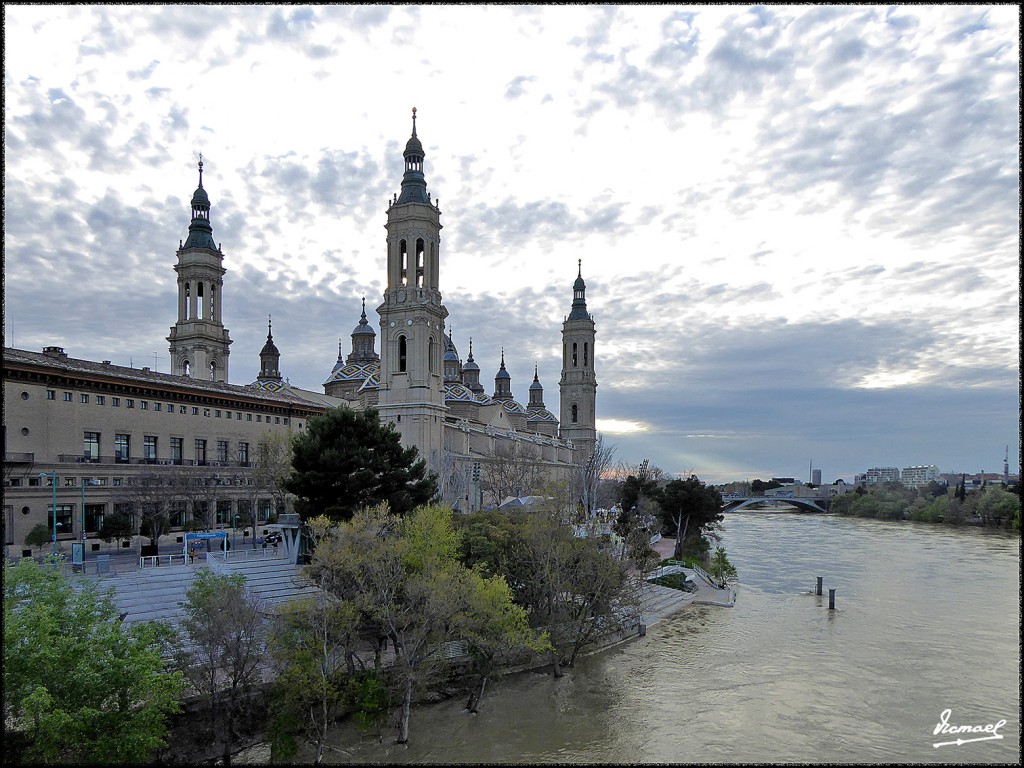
(660, 602)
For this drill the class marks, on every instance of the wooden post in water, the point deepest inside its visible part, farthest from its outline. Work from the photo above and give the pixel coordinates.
(643, 630)
(832, 599)
(817, 591)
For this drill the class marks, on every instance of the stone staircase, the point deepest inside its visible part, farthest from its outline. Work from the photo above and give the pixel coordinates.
(155, 594)
(274, 581)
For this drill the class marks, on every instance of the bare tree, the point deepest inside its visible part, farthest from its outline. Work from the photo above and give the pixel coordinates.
(587, 478)
(512, 471)
(272, 466)
(149, 496)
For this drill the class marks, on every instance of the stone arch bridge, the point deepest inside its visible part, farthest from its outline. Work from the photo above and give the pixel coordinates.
(805, 504)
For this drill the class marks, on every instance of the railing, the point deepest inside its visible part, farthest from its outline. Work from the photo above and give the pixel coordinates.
(155, 560)
(707, 577)
(243, 553)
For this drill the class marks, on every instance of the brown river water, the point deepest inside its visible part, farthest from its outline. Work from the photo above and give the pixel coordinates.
(927, 619)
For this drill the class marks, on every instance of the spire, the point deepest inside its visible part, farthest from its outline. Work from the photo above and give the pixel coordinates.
(200, 233)
(414, 185)
(502, 381)
(270, 357)
(452, 364)
(363, 338)
(579, 297)
(536, 391)
(471, 373)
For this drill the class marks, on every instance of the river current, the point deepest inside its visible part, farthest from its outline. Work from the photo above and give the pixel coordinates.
(927, 619)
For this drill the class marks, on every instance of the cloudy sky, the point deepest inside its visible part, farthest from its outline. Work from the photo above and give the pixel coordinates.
(799, 225)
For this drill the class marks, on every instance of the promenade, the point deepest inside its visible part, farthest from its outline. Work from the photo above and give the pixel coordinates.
(661, 602)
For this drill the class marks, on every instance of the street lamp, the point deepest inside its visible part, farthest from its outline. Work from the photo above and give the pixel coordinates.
(53, 484)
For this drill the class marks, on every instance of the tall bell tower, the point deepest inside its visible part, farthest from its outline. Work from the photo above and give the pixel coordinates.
(199, 341)
(578, 385)
(412, 315)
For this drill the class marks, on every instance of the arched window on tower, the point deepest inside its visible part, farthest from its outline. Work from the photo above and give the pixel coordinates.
(186, 369)
(200, 314)
(401, 354)
(403, 257)
(188, 301)
(575, 413)
(419, 263)
(430, 352)
(586, 349)
(213, 308)
(213, 370)
(574, 355)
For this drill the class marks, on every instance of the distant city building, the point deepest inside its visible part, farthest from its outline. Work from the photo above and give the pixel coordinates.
(784, 480)
(877, 475)
(816, 476)
(912, 477)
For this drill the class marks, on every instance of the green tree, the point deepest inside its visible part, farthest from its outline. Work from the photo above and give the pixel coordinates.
(310, 642)
(82, 686)
(225, 647)
(346, 460)
(405, 579)
(39, 536)
(688, 507)
(495, 629)
(116, 526)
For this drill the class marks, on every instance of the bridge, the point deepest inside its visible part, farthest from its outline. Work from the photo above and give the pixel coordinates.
(804, 503)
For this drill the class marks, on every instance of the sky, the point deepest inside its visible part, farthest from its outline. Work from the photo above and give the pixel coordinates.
(798, 225)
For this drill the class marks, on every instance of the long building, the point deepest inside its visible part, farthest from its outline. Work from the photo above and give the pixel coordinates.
(101, 431)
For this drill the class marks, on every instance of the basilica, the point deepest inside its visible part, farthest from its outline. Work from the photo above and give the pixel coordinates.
(74, 425)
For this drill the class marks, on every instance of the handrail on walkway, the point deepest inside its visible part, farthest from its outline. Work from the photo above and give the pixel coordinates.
(245, 554)
(154, 560)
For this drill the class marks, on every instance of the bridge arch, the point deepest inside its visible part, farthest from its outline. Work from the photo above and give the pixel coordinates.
(805, 505)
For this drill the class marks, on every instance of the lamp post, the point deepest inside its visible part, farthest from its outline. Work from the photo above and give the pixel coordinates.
(53, 484)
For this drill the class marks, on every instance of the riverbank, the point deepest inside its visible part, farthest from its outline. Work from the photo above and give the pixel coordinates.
(656, 603)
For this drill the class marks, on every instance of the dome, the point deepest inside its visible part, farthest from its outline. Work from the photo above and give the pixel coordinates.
(413, 146)
(270, 348)
(451, 354)
(200, 197)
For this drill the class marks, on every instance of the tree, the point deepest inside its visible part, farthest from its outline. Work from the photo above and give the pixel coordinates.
(116, 526)
(405, 580)
(587, 479)
(149, 496)
(511, 472)
(82, 686)
(272, 468)
(688, 507)
(39, 536)
(310, 642)
(568, 585)
(347, 460)
(225, 634)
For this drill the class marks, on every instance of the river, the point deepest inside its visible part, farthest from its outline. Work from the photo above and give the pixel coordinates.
(927, 619)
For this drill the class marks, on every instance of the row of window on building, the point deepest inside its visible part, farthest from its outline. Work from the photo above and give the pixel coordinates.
(201, 453)
(146, 405)
(227, 512)
(911, 476)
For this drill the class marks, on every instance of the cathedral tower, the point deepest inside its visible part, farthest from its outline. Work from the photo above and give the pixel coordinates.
(199, 341)
(578, 385)
(412, 315)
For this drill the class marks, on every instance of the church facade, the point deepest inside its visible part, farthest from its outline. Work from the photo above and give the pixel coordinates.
(79, 433)
(436, 402)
